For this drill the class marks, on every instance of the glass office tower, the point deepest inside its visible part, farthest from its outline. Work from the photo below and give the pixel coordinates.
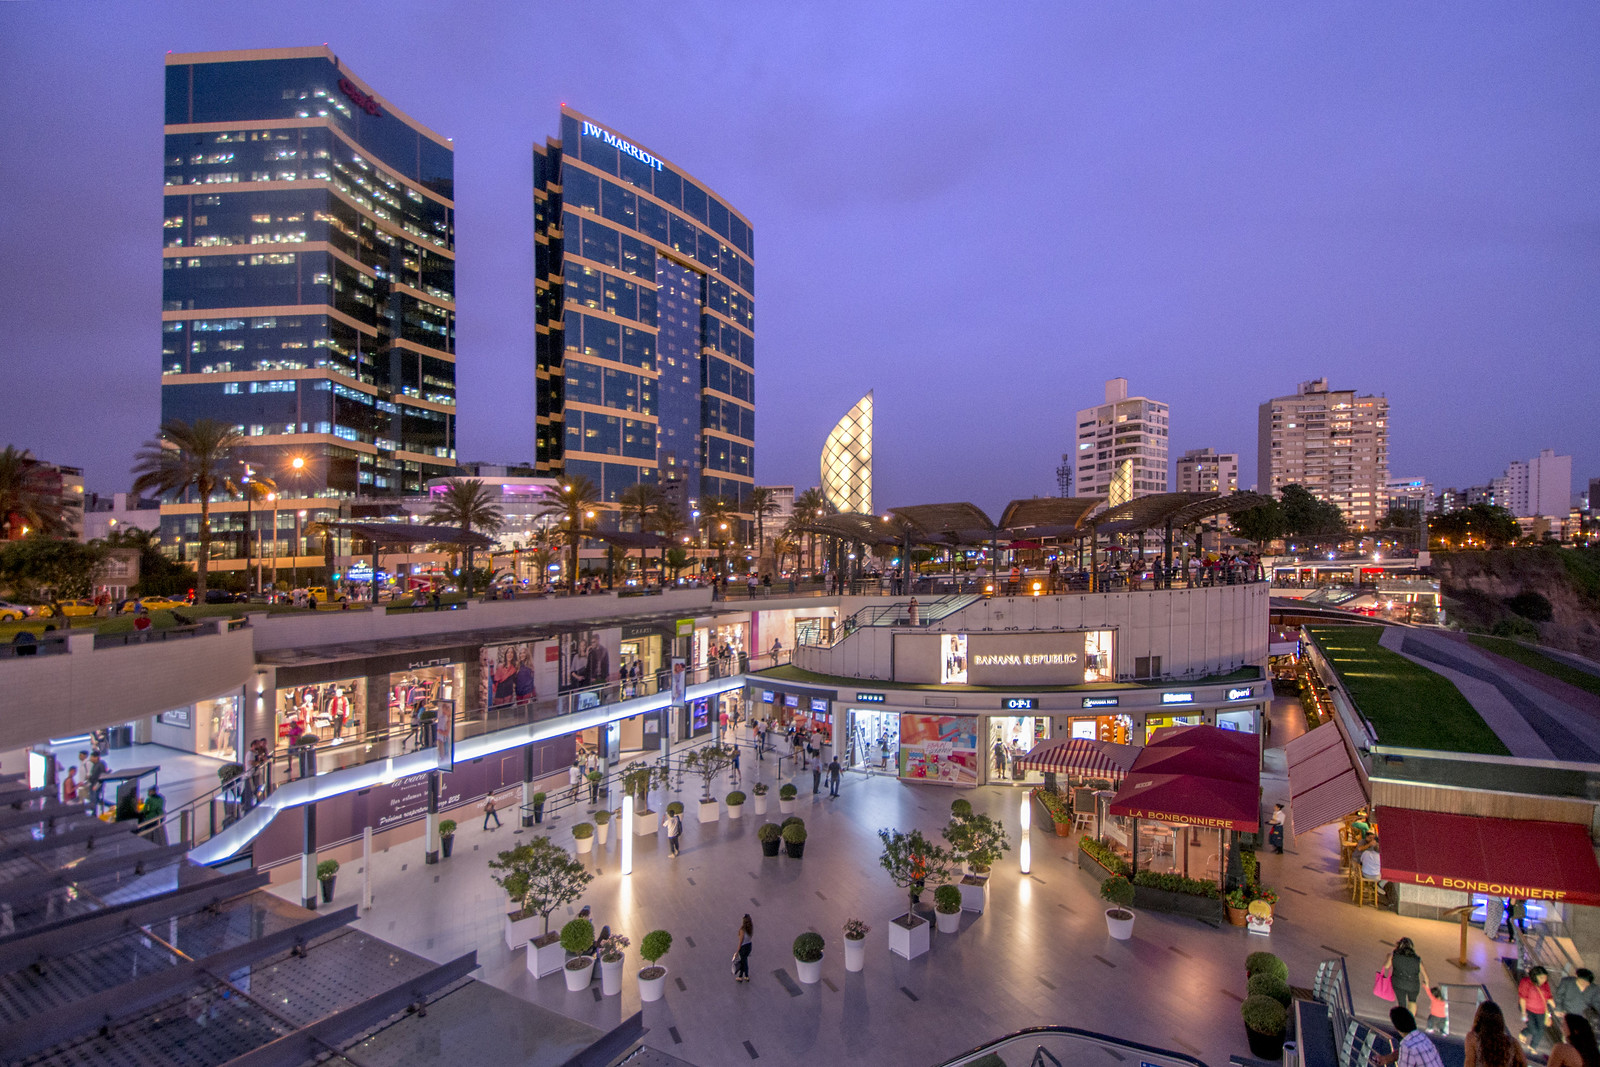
(308, 293)
(645, 350)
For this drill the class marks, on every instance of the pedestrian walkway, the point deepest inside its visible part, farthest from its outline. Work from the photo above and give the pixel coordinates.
(1040, 955)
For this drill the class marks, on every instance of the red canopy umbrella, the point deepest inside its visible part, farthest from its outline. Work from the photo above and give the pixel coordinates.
(1213, 737)
(1081, 757)
(1188, 799)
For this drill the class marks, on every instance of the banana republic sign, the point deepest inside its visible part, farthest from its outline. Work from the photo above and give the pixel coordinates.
(1025, 659)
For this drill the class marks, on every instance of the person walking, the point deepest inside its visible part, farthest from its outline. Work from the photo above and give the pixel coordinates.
(1576, 994)
(489, 812)
(1406, 973)
(1578, 1048)
(1275, 835)
(741, 955)
(1489, 1043)
(816, 777)
(735, 767)
(674, 831)
(833, 777)
(1534, 994)
(1415, 1048)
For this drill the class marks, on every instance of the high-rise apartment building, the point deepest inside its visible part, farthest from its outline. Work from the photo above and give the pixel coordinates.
(51, 481)
(645, 321)
(1333, 442)
(308, 294)
(1201, 470)
(1415, 495)
(1122, 446)
(1539, 487)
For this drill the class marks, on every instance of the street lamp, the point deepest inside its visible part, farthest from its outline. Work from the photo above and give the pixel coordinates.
(272, 498)
(299, 517)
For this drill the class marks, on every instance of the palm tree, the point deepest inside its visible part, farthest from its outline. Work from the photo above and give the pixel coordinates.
(763, 502)
(190, 456)
(782, 545)
(716, 514)
(26, 497)
(641, 502)
(574, 505)
(668, 522)
(808, 507)
(465, 503)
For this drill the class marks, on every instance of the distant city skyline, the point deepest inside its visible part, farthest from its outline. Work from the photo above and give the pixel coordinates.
(1214, 206)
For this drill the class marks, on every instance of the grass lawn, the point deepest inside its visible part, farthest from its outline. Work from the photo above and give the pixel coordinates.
(1409, 705)
(1530, 657)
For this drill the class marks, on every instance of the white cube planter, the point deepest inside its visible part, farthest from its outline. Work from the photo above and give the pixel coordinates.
(760, 801)
(735, 811)
(520, 931)
(949, 921)
(579, 978)
(785, 807)
(974, 893)
(651, 988)
(546, 959)
(611, 978)
(710, 811)
(646, 823)
(855, 954)
(909, 942)
(584, 845)
(810, 973)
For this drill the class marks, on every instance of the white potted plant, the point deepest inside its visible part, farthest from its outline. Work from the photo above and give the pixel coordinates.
(786, 794)
(947, 906)
(602, 827)
(638, 779)
(912, 861)
(759, 791)
(577, 937)
(735, 801)
(583, 837)
(654, 977)
(808, 956)
(539, 876)
(1118, 892)
(709, 763)
(855, 944)
(979, 841)
(610, 952)
(710, 810)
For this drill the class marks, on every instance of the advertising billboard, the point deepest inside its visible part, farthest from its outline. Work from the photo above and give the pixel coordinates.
(517, 672)
(1039, 658)
(939, 748)
(952, 659)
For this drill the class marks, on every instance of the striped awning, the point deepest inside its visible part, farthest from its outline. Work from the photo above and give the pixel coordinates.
(1324, 785)
(1081, 758)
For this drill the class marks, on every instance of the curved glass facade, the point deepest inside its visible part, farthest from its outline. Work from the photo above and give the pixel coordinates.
(847, 460)
(645, 343)
(308, 290)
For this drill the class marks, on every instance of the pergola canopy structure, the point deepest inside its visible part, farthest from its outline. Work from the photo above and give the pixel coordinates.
(392, 534)
(1173, 509)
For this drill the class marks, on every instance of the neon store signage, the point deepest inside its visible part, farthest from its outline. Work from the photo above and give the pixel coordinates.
(870, 698)
(1239, 694)
(1177, 698)
(1101, 702)
(1019, 703)
(361, 99)
(591, 130)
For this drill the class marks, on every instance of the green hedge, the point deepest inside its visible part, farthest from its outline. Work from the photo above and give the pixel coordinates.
(1057, 808)
(1102, 854)
(1177, 883)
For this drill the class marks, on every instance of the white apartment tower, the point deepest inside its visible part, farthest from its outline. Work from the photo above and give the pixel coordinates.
(1540, 487)
(1200, 470)
(1122, 446)
(1331, 441)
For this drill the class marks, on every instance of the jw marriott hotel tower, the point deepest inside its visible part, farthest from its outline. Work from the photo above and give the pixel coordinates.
(308, 293)
(645, 350)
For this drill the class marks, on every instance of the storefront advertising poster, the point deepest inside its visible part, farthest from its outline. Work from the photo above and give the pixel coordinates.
(942, 748)
(953, 659)
(517, 673)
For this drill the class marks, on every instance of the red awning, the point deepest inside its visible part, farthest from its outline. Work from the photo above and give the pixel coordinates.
(1323, 783)
(1190, 800)
(1518, 858)
(1081, 757)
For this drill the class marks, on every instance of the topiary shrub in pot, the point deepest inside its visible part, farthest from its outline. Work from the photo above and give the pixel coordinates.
(855, 944)
(675, 808)
(961, 807)
(1118, 892)
(794, 839)
(1264, 1023)
(577, 937)
(808, 956)
(653, 978)
(538, 806)
(770, 834)
(947, 906)
(583, 835)
(326, 870)
(602, 826)
(447, 835)
(735, 801)
(1265, 962)
(609, 950)
(786, 794)
(1268, 984)
(759, 791)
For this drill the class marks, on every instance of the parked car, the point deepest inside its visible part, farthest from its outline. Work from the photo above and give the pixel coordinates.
(10, 612)
(151, 603)
(72, 609)
(222, 596)
(321, 593)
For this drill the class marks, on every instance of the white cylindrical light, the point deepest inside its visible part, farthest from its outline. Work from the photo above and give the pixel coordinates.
(627, 835)
(1025, 849)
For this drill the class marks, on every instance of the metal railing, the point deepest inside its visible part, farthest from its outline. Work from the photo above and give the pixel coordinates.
(1355, 1041)
(206, 816)
(1052, 1046)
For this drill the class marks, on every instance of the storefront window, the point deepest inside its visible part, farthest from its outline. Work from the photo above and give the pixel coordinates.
(217, 728)
(1152, 723)
(1098, 665)
(1117, 729)
(1011, 738)
(423, 689)
(873, 741)
(1242, 719)
(329, 711)
(941, 748)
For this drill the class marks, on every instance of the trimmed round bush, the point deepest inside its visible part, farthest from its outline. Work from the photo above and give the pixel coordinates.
(1264, 1015)
(327, 869)
(675, 808)
(769, 831)
(735, 798)
(577, 936)
(447, 827)
(760, 789)
(602, 817)
(1117, 890)
(794, 834)
(1268, 984)
(808, 947)
(788, 792)
(947, 898)
(1266, 962)
(655, 945)
(961, 807)
(582, 830)
(792, 820)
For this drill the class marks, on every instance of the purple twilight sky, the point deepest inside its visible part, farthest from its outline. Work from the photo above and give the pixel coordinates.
(979, 210)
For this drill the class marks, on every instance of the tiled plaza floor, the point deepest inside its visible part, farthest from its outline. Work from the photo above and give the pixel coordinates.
(1040, 955)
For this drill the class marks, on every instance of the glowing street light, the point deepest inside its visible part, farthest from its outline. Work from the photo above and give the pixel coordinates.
(1025, 848)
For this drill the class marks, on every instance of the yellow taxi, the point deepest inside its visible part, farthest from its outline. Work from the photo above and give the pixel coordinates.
(323, 597)
(13, 612)
(71, 609)
(153, 603)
